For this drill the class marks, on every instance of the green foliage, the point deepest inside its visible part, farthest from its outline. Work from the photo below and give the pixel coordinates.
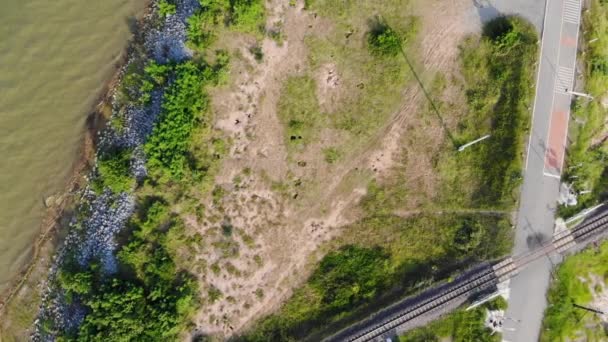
(350, 276)
(242, 15)
(248, 15)
(149, 300)
(586, 158)
(114, 171)
(563, 321)
(498, 70)
(459, 326)
(468, 235)
(183, 103)
(165, 8)
(141, 79)
(407, 254)
(382, 40)
(200, 30)
(382, 199)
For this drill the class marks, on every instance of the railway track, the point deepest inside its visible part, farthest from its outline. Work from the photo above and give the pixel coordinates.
(467, 286)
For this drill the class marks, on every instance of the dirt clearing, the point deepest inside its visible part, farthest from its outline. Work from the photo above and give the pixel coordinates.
(275, 204)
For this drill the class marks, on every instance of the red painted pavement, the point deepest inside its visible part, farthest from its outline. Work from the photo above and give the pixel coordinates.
(554, 156)
(568, 41)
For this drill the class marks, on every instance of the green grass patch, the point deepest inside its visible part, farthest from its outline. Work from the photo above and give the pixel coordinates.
(459, 326)
(371, 81)
(563, 321)
(299, 111)
(381, 255)
(586, 167)
(498, 70)
(371, 84)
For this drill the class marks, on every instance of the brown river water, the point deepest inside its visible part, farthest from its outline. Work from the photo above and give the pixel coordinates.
(55, 58)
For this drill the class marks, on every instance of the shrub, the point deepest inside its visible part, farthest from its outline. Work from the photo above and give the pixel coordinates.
(114, 171)
(183, 103)
(248, 15)
(383, 40)
(257, 53)
(165, 8)
(149, 300)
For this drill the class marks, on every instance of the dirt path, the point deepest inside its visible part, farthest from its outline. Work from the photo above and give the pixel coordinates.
(275, 239)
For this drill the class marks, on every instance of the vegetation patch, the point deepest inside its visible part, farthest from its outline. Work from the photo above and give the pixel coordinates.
(368, 61)
(498, 70)
(572, 286)
(299, 111)
(380, 257)
(183, 103)
(247, 16)
(150, 297)
(114, 172)
(586, 159)
(459, 326)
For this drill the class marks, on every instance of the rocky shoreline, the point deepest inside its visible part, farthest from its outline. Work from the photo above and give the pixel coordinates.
(163, 39)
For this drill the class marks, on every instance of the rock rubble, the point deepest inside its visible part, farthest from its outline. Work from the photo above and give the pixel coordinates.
(92, 237)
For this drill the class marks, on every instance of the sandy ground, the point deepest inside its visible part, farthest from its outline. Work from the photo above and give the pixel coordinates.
(259, 242)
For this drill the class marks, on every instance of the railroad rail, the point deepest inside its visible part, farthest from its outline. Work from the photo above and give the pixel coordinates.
(471, 283)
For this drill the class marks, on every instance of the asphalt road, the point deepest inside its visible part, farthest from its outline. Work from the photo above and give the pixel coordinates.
(544, 164)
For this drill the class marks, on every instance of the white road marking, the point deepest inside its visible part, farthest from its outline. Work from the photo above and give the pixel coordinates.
(572, 11)
(564, 80)
(551, 175)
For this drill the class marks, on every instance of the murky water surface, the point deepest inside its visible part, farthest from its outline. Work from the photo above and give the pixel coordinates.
(55, 57)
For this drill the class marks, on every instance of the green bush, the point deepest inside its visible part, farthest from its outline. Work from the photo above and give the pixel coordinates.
(114, 171)
(200, 32)
(149, 300)
(383, 40)
(183, 103)
(243, 15)
(165, 8)
(141, 79)
(248, 15)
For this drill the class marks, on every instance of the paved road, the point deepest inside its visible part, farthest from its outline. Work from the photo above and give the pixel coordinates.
(544, 165)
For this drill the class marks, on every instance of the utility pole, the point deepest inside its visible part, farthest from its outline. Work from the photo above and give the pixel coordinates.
(579, 94)
(461, 148)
